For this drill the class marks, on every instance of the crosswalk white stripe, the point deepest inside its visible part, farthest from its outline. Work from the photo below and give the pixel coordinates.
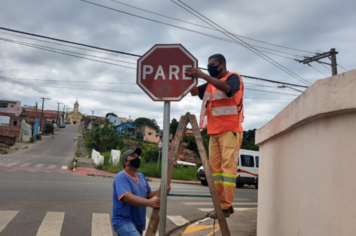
(147, 222)
(51, 224)
(236, 209)
(25, 164)
(210, 203)
(5, 218)
(52, 166)
(38, 166)
(64, 167)
(178, 220)
(101, 225)
(11, 164)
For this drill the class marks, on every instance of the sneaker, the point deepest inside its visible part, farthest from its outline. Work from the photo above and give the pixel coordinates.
(213, 214)
(231, 210)
(208, 213)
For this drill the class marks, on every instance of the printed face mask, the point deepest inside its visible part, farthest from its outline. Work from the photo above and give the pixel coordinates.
(135, 162)
(213, 70)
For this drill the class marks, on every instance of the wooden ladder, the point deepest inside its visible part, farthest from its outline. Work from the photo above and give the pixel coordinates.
(172, 159)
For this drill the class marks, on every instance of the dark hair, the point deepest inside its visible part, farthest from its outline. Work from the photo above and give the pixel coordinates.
(218, 57)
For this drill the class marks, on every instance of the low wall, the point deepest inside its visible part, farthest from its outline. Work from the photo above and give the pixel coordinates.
(307, 163)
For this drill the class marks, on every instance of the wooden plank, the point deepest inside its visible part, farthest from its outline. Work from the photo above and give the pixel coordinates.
(172, 158)
(214, 194)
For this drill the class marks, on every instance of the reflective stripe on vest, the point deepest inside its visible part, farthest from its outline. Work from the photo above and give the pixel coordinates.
(228, 110)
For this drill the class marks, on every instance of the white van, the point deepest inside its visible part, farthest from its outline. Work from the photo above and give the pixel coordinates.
(247, 170)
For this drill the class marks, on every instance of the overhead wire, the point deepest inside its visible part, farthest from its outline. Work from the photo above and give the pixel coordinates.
(65, 41)
(246, 45)
(24, 44)
(245, 76)
(7, 78)
(317, 69)
(36, 45)
(66, 45)
(186, 29)
(202, 26)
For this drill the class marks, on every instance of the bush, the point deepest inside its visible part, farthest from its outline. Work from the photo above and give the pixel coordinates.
(150, 153)
(32, 139)
(38, 137)
(49, 129)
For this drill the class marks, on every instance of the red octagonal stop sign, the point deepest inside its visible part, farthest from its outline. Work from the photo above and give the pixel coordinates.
(160, 72)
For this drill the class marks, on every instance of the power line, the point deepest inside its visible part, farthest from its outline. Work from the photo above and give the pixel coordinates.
(245, 76)
(34, 85)
(169, 17)
(11, 41)
(271, 92)
(65, 45)
(246, 45)
(65, 41)
(36, 45)
(186, 29)
(316, 69)
(66, 81)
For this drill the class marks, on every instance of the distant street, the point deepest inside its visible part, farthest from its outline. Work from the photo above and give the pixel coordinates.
(47, 153)
(37, 203)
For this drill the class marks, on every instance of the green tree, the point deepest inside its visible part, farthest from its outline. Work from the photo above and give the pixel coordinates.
(110, 113)
(49, 128)
(173, 127)
(142, 121)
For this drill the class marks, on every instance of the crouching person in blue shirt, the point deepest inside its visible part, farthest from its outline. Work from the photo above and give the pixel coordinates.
(131, 196)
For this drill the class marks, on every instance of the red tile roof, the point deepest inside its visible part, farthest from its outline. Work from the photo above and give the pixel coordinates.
(189, 132)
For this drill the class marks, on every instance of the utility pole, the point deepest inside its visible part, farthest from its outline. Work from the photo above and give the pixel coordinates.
(36, 106)
(331, 55)
(63, 112)
(92, 114)
(42, 112)
(58, 113)
(67, 113)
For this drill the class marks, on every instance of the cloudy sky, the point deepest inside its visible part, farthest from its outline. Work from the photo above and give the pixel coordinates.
(302, 27)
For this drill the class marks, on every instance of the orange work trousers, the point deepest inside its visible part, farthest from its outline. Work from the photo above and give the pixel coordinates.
(223, 159)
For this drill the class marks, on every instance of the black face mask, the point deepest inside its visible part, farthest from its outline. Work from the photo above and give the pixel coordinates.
(213, 70)
(135, 162)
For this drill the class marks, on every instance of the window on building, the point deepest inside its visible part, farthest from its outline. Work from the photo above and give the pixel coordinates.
(12, 105)
(15, 122)
(257, 161)
(114, 121)
(247, 161)
(149, 133)
(3, 105)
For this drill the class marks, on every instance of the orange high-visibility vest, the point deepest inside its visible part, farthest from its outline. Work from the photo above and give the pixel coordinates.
(220, 113)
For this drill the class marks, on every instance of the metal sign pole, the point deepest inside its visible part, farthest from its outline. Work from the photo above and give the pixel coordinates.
(164, 175)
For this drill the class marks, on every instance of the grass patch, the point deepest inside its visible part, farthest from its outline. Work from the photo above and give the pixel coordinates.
(90, 175)
(4, 152)
(149, 169)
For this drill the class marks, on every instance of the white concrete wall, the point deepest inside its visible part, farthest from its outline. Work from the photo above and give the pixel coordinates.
(115, 156)
(97, 158)
(307, 163)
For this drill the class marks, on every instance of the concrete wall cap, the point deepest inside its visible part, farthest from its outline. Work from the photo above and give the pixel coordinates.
(326, 97)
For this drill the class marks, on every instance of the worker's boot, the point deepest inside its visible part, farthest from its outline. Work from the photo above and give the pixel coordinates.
(231, 210)
(213, 214)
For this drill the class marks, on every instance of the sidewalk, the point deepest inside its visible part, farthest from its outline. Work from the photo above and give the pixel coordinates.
(242, 223)
(96, 172)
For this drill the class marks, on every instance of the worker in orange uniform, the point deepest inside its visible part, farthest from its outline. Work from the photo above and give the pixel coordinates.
(221, 114)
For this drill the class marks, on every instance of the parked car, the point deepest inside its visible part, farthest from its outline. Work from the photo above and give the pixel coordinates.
(247, 170)
(67, 122)
(62, 126)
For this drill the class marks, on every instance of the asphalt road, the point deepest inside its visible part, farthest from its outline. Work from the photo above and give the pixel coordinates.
(28, 198)
(47, 153)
